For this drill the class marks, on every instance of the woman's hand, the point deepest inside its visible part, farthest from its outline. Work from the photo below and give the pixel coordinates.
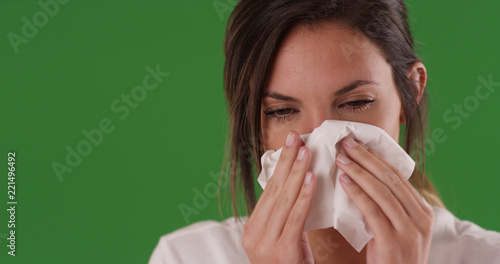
(400, 220)
(274, 231)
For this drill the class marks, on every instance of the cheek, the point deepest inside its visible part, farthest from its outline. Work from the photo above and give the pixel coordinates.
(384, 115)
(391, 127)
(273, 136)
(388, 119)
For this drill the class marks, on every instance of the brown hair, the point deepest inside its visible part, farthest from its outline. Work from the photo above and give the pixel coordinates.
(254, 33)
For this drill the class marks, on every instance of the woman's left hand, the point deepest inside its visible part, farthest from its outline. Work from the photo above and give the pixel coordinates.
(401, 222)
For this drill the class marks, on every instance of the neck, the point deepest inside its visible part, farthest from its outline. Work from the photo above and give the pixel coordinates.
(329, 246)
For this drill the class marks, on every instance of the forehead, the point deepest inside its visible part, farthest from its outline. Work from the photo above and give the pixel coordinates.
(329, 53)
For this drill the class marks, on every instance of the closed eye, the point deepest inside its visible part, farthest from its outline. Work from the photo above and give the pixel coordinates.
(358, 105)
(283, 114)
(280, 114)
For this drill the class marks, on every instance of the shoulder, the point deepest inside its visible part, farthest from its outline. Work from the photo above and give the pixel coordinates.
(202, 242)
(460, 241)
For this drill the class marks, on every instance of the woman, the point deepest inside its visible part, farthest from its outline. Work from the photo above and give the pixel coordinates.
(290, 65)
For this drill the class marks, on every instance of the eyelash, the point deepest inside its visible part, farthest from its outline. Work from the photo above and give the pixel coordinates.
(358, 105)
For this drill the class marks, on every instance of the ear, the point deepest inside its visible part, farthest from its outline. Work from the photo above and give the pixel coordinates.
(417, 74)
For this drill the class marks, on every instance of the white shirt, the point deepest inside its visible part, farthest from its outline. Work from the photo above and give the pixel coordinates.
(453, 241)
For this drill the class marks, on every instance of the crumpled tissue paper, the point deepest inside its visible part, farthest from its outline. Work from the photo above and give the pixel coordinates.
(331, 206)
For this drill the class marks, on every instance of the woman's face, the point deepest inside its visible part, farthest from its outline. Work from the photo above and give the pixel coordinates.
(329, 72)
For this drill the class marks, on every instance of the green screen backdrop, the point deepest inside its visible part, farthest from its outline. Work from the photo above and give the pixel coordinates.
(116, 113)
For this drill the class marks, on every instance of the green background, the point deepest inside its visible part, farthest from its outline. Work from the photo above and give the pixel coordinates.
(114, 206)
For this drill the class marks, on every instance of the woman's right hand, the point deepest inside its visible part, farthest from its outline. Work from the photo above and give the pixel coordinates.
(274, 231)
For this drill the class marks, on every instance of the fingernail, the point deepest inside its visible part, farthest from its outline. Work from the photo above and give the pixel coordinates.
(343, 159)
(302, 154)
(345, 179)
(308, 178)
(290, 139)
(350, 142)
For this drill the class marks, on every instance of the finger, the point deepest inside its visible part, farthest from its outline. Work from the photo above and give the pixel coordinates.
(416, 195)
(265, 204)
(296, 220)
(286, 159)
(390, 176)
(289, 193)
(374, 216)
(380, 193)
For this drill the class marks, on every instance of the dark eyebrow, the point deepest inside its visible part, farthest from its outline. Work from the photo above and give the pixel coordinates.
(280, 97)
(354, 85)
(342, 91)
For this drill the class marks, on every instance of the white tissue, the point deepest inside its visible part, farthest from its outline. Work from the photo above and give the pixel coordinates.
(331, 206)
